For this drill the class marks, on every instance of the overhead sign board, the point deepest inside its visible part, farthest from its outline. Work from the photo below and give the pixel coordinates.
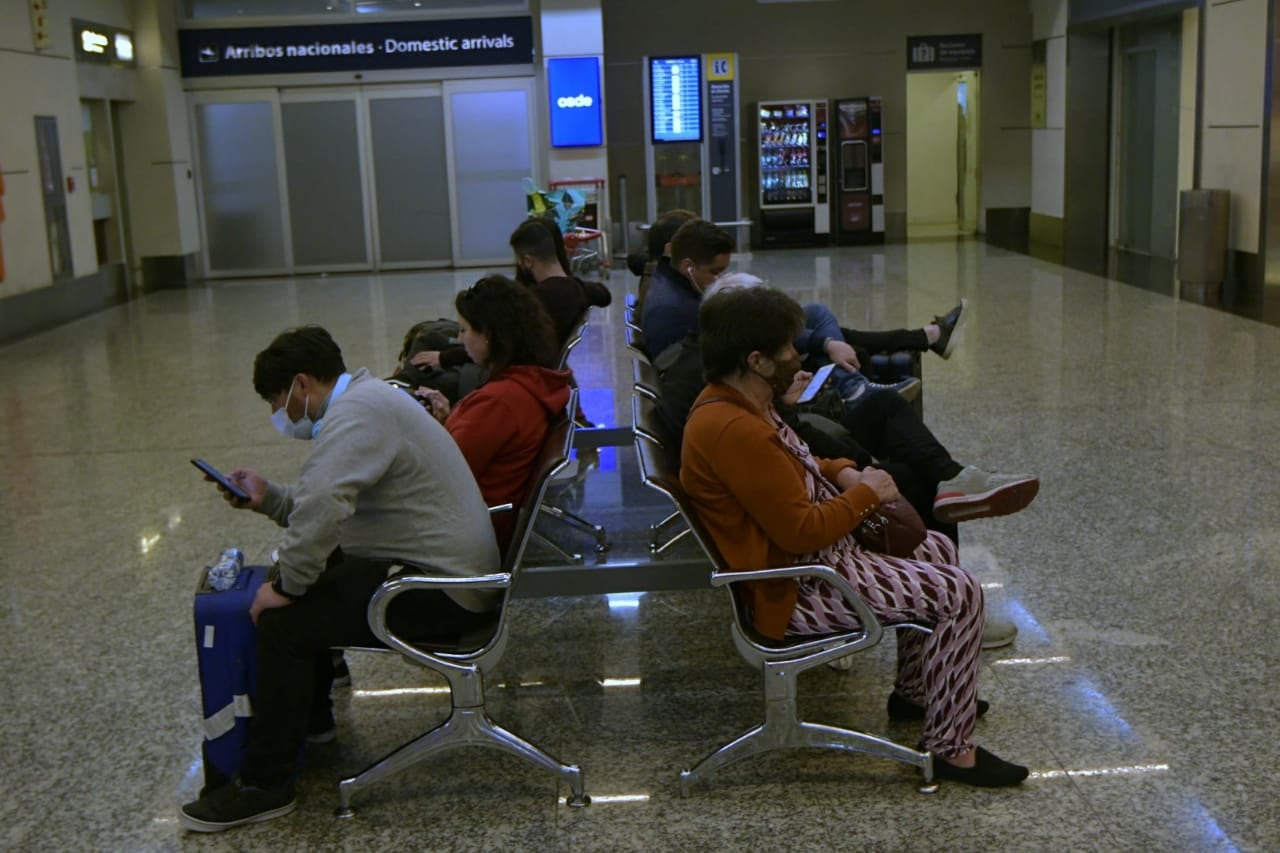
(720, 66)
(100, 43)
(356, 47)
(675, 98)
(944, 53)
(573, 98)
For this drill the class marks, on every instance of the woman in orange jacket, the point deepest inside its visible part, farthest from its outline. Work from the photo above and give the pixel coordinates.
(767, 502)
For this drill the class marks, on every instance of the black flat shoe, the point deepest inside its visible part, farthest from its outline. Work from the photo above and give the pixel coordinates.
(988, 771)
(904, 709)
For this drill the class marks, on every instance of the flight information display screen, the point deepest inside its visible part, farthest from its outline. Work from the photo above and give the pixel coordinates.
(675, 98)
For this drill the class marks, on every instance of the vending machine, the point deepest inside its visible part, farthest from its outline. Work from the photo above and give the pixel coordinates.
(858, 196)
(792, 143)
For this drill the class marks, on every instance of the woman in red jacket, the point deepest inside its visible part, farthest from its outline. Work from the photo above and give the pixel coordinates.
(501, 426)
(767, 502)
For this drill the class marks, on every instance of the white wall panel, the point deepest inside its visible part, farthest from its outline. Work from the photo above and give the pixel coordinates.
(1232, 160)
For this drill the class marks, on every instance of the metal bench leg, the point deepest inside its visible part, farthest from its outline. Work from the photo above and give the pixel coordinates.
(656, 532)
(782, 729)
(575, 559)
(465, 727)
(577, 521)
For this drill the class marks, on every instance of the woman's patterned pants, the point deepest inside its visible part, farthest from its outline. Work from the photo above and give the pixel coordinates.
(937, 670)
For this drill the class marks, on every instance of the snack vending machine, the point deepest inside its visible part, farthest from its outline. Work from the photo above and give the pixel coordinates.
(792, 146)
(858, 196)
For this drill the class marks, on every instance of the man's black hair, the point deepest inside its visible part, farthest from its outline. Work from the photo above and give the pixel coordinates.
(540, 238)
(664, 228)
(701, 242)
(309, 349)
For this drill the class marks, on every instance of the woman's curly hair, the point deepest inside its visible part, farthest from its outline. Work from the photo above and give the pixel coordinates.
(517, 325)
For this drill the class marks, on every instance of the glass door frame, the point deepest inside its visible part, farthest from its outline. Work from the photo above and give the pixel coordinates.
(362, 95)
(361, 114)
(368, 94)
(536, 151)
(195, 100)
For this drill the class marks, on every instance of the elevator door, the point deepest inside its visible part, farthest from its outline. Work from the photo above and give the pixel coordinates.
(1147, 179)
(49, 152)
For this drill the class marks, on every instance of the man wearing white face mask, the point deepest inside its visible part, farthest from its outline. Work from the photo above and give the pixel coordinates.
(384, 484)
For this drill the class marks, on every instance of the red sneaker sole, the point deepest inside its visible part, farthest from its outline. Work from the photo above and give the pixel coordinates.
(1005, 500)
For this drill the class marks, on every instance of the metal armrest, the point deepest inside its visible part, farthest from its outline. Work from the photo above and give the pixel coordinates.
(400, 584)
(498, 580)
(871, 628)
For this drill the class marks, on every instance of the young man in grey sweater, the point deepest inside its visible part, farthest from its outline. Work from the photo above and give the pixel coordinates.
(384, 483)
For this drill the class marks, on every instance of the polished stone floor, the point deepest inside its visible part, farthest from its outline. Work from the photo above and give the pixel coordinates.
(1145, 581)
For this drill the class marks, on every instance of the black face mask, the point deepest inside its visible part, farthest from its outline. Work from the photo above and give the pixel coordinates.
(524, 276)
(784, 373)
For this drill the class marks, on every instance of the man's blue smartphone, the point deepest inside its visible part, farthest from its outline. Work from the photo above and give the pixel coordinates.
(221, 480)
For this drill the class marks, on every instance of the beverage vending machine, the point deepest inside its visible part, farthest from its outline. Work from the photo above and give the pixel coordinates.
(858, 195)
(792, 146)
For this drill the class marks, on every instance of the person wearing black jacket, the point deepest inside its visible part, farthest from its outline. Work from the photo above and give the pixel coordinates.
(543, 265)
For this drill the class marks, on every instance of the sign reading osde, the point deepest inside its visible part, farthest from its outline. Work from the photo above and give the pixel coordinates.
(573, 96)
(356, 47)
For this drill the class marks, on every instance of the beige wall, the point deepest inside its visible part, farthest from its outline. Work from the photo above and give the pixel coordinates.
(157, 142)
(39, 83)
(827, 50)
(1048, 144)
(50, 83)
(1235, 65)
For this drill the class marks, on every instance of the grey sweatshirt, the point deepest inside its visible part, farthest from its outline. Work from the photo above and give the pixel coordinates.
(385, 481)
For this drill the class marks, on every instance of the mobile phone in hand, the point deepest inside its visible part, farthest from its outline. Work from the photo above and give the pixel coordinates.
(221, 479)
(815, 384)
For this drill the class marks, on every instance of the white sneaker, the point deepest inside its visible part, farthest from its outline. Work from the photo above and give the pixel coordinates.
(974, 493)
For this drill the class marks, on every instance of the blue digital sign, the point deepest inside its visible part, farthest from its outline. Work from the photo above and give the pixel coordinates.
(573, 93)
(675, 98)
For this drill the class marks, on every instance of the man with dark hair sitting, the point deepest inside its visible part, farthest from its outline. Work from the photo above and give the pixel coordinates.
(384, 484)
(672, 271)
(658, 252)
(542, 265)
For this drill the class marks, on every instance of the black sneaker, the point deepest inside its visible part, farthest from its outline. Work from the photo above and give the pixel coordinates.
(908, 389)
(988, 771)
(236, 804)
(951, 325)
(321, 728)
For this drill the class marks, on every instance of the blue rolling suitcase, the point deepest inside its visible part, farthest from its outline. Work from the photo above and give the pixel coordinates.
(227, 654)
